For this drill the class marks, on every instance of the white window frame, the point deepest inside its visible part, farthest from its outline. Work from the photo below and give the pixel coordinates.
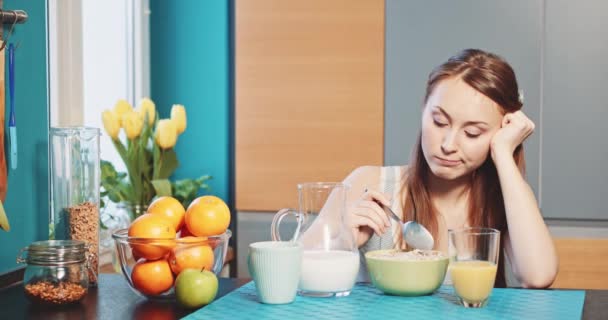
(98, 53)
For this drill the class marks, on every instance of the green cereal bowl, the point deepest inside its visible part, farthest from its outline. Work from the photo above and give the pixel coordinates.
(404, 277)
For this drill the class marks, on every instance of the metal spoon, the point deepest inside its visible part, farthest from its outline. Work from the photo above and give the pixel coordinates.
(414, 233)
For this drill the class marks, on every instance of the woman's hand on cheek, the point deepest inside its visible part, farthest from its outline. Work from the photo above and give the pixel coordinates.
(515, 128)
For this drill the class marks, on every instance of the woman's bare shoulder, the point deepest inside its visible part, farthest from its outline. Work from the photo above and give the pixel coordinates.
(402, 168)
(369, 176)
(362, 178)
(364, 174)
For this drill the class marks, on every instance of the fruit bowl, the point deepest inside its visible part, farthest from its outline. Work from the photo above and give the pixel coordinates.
(150, 266)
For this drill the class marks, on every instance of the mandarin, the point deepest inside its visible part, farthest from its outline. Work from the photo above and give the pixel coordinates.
(184, 232)
(169, 208)
(195, 256)
(191, 240)
(137, 256)
(207, 216)
(155, 227)
(152, 277)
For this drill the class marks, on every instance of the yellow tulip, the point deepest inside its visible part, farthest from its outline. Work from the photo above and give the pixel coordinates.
(120, 108)
(166, 133)
(147, 109)
(132, 123)
(111, 123)
(178, 116)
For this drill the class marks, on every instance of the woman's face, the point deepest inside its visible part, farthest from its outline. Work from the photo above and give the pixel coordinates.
(458, 124)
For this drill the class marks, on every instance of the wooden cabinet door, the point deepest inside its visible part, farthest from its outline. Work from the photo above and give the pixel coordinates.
(309, 95)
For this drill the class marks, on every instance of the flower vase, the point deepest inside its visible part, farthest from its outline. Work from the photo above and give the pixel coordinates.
(115, 216)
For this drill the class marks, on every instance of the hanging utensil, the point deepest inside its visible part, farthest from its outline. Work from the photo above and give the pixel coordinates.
(12, 123)
(3, 155)
(4, 225)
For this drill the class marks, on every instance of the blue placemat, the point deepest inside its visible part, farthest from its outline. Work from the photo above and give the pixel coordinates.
(365, 302)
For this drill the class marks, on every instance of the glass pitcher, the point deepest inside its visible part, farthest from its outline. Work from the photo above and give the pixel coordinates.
(330, 260)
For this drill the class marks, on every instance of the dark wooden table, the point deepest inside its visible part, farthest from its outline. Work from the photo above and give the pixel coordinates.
(113, 299)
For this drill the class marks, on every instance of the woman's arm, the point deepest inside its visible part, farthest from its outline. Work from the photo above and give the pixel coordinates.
(529, 244)
(364, 215)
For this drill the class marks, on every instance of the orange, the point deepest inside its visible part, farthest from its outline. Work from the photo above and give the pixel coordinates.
(170, 208)
(191, 240)
(137, 255)
(152, 277)
(207, 216)
(184, 232)
(156, 227)
(185, 256)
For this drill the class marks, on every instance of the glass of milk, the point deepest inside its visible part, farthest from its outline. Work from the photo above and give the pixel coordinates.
(330, 259)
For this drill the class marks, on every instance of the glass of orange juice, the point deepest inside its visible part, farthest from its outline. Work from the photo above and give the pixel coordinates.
(473, 263)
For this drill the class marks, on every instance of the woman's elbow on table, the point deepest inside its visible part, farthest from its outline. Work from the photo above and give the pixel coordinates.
(539, 280)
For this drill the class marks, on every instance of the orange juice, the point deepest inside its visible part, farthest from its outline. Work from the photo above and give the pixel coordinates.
(473, 280)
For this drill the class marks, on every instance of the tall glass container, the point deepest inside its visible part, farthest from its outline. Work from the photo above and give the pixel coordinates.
(75, 176)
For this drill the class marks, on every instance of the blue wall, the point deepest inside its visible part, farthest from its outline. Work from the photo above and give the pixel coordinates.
(189, 43)
(27, 200)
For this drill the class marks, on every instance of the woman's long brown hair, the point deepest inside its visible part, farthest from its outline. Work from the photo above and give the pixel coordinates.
(492, 76)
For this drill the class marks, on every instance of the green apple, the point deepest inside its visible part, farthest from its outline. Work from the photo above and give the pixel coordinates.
(195, 288)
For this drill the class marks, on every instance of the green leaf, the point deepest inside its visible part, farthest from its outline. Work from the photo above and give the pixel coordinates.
(122, 151)
(186, 190)
(204, 178)
(107, 170)
(167, 163)
(134, 174)
(156, 159)
(146, 133)
(116, 190)
(114, 197)
(113, 183)
(162, 187)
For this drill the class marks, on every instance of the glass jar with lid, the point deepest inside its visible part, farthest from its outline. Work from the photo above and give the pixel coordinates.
(56, 271)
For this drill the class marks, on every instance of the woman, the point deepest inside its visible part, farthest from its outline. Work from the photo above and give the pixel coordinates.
(467, 170)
